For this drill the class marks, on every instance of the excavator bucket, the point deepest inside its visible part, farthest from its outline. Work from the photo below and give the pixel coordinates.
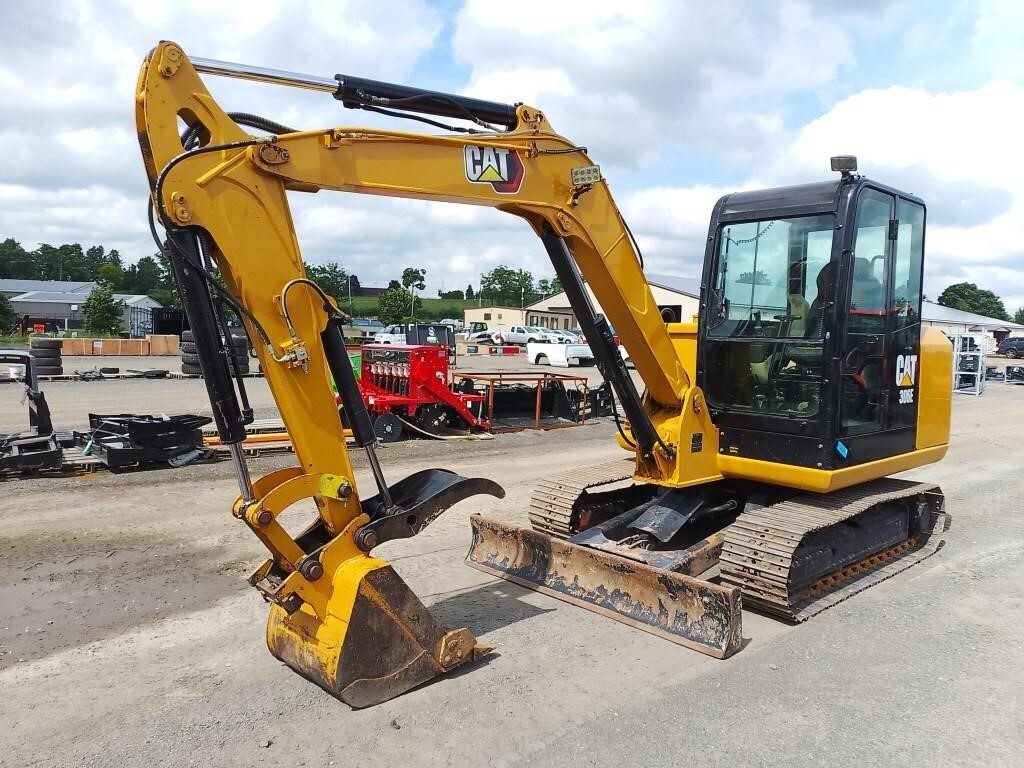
(377, 642)
(358, 631)
(686, 610)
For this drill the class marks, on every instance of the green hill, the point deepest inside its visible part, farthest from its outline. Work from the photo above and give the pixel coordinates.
(430, 309)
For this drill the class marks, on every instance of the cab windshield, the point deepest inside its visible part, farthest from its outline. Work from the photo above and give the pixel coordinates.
(769, 275)
(766, 316)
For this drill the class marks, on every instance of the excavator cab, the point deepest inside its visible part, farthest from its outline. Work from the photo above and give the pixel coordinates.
(811, 322)
(818, 378)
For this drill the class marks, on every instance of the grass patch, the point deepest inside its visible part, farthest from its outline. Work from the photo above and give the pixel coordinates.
(430, 309)
(6, 341)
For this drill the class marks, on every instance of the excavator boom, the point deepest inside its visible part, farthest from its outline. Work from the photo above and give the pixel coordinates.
(340, 616)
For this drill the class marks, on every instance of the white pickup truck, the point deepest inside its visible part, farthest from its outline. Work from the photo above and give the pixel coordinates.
(559, 355)
(521, 334)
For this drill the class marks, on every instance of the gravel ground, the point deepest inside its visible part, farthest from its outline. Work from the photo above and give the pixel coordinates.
(129, 638)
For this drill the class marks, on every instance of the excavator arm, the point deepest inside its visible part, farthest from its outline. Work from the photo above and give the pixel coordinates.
(340, 616)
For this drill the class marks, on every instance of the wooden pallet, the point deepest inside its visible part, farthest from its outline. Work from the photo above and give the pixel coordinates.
(255, 450)
(258, 427)
(179, 375)
(73, 462)
(78, 463)
(102, 377)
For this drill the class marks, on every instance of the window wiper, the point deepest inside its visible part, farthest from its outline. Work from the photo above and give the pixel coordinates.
(718, 310)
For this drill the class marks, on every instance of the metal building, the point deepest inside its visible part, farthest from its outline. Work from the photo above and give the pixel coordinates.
(65, 311)
(677, 297)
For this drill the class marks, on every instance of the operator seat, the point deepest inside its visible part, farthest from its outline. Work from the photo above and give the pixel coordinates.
(861, 371)
(816, 314)
(867, 298)
(800, 311)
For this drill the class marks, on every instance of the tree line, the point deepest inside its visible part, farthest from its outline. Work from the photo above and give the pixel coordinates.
(968, 297)
(73, 263)
(151, 276)
(501, 286)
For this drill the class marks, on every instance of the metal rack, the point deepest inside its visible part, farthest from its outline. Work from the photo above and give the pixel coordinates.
(969, 363)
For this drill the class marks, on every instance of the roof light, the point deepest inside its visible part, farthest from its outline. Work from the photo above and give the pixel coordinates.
(844, 164)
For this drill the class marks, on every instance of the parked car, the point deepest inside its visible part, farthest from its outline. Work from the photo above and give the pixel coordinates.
(392, 334)
(1011, 347)
(546, 335)
(564, 337)
(520, 334)
(370, 326)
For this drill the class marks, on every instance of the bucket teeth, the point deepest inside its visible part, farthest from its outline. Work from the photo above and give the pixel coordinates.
(684, 609)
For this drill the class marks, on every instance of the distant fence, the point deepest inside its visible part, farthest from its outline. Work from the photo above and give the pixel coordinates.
(169, 321)
(140, 322)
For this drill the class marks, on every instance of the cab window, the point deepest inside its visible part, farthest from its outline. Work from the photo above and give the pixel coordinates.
(769, 276)
(906, 306)
(862, 366)
(869, 268)
(766, 319)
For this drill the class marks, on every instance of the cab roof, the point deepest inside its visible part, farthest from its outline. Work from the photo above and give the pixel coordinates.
(796, 200)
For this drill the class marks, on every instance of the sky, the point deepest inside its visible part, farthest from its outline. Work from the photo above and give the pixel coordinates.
(679, 101)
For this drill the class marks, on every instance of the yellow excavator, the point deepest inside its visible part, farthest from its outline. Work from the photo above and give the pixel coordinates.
(759, 450)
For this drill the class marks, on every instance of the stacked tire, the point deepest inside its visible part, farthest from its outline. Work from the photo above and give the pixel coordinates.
(46, 352)
(239, 361)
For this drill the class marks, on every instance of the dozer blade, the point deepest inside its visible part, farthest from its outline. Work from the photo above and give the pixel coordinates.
(377, 642)
(680, 608)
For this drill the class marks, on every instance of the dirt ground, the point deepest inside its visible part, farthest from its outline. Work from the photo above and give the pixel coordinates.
(128, 636)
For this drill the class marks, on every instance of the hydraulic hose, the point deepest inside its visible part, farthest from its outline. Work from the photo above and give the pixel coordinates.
(190, 138)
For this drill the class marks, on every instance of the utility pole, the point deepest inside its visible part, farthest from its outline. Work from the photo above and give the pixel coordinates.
(351, 305)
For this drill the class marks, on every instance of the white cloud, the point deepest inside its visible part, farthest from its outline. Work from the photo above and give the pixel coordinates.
(962, 136)
(997, 36)
(64, 215)
(381, 236)
(957, 151)
(638, 83)
(953, 149)
(671, 226)
(67, 80)
(633, 81)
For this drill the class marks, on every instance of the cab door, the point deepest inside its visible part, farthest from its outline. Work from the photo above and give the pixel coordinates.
(865, 351)
(879, 349)
(905, 313)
